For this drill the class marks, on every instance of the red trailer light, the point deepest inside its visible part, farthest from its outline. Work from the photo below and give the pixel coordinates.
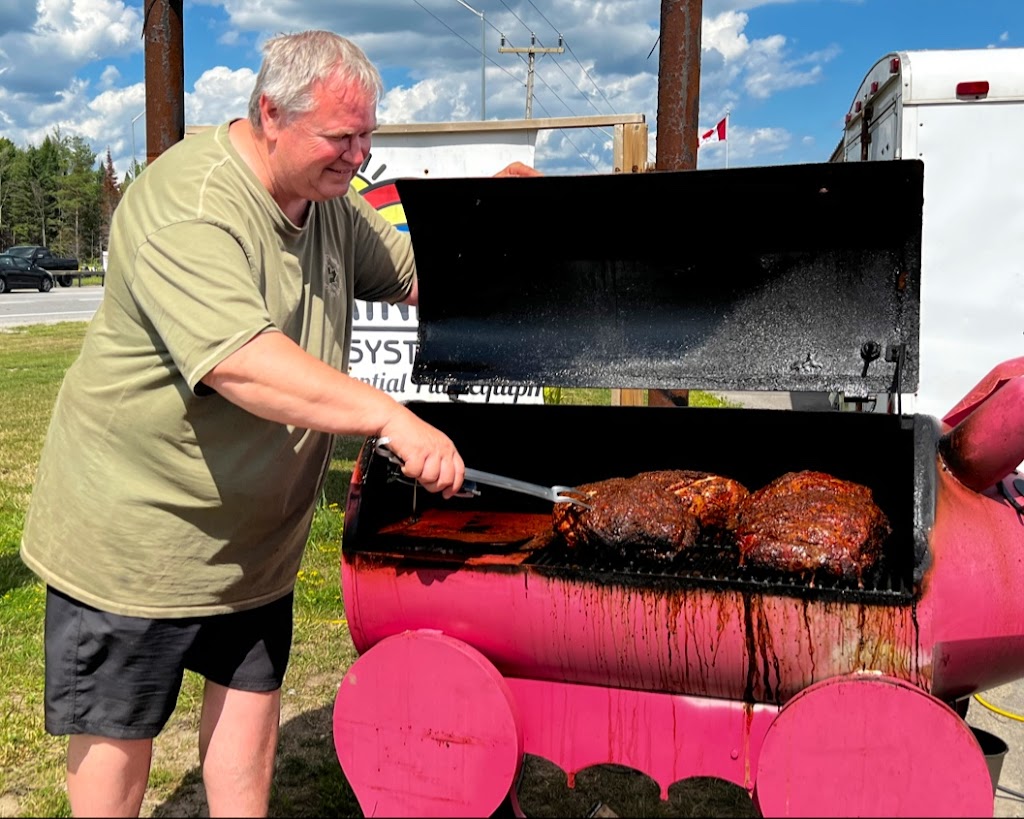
(857, 106)
(972, 89)
(874, 87)
(894, 65)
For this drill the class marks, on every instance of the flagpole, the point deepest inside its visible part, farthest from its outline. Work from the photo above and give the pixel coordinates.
(727, 136)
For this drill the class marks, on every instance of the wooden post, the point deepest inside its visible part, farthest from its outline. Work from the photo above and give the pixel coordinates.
(630, 156)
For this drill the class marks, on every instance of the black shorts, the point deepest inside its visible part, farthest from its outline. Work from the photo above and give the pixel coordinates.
(119, 677)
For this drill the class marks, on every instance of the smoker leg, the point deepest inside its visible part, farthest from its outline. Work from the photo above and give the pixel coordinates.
(870, 746)
(424, 725)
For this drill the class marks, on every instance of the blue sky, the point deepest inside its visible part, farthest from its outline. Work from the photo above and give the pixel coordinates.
(785, 69)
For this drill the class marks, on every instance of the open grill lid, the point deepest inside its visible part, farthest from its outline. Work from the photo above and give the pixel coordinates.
(799, 277)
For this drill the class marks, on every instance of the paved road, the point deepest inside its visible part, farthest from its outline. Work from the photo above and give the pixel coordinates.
(60, 304)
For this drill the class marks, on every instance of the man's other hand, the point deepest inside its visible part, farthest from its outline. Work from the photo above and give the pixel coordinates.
(518, 169)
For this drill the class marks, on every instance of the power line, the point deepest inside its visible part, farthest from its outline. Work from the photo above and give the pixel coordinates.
(582, 67)
(513, 76)
(567, 107)
(467, 42)
(598, 87)
(568, 139)
(531, 51)
(510, 11)
(558, 64)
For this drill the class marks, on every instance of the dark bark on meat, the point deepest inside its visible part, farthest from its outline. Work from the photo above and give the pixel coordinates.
(808, 522)
(633, 516)
(654, 514)
(713, 499)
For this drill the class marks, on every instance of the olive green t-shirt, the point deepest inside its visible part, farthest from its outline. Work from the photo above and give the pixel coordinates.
(155, 497)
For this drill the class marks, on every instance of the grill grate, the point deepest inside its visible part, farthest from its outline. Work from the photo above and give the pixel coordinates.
(716, 567)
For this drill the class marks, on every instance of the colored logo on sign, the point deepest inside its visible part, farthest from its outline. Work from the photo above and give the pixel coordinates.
(384, 198)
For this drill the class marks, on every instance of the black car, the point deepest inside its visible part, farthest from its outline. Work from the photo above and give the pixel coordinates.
(16, 272)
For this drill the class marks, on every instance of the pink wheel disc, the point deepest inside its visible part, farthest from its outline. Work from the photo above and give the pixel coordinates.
(424, 725)
(871, 746)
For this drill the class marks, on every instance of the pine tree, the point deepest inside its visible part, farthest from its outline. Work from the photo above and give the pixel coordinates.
(110, 198)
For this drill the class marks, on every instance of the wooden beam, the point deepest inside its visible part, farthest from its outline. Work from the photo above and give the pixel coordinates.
(536, 124)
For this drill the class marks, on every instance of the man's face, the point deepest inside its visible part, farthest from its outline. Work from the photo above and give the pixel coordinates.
(315, 155)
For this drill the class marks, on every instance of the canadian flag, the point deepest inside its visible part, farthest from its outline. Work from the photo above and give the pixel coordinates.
(716, 134)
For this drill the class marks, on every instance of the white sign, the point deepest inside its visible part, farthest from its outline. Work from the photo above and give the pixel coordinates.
(383, 350)
(384, 336)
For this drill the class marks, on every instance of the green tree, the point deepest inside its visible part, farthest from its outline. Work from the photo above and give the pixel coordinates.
(23, 227)
(78, 196)
(8, 154)
(110, 196)
(36, 193)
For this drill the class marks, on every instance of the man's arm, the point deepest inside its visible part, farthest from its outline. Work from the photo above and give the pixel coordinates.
(274, 378)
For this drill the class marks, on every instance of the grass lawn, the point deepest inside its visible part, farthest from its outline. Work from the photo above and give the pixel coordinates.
(308, 781)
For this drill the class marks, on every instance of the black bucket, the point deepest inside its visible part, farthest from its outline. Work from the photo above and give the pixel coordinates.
(995, 751)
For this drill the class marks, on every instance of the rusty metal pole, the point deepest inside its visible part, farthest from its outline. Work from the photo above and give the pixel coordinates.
(678, 111)
(679, 84)
(165, 76)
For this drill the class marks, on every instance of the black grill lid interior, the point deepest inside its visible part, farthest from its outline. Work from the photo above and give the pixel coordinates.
(798, 277)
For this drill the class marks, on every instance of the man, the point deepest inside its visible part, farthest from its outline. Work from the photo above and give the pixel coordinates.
(192, 436)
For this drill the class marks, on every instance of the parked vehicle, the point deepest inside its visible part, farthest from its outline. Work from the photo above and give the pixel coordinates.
(961, 112)
(17, 272)
(46, 259)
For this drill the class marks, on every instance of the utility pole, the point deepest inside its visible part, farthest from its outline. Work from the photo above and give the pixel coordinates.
(165, 76)
(679, 84)
(532, 50)
(678, 108)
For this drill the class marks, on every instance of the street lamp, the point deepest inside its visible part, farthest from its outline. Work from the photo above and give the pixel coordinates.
(135, 162)
(483, 59)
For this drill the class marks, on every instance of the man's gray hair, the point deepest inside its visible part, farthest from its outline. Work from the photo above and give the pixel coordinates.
(294, 63)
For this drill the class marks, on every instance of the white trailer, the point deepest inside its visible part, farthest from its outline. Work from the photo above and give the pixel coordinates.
(962, 113)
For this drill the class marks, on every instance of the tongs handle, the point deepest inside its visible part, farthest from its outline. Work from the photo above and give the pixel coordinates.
(475, 476)
(468, 490)
(502, 482)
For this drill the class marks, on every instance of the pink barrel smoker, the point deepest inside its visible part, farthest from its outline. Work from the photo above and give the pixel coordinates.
(483, 638)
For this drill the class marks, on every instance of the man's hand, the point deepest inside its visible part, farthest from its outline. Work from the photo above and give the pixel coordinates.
(428, 455)
(518, 169)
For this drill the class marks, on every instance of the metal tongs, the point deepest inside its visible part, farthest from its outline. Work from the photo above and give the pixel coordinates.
(555, 494)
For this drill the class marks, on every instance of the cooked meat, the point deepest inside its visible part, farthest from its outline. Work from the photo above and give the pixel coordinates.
(809, 522)
(654, 513)
(713, 499)
(627, 514)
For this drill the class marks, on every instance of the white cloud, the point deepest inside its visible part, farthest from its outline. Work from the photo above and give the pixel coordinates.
(66, 36)
(109, 77)
(219, 94)
(86, 29)
(724, 34)
(430, 101)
